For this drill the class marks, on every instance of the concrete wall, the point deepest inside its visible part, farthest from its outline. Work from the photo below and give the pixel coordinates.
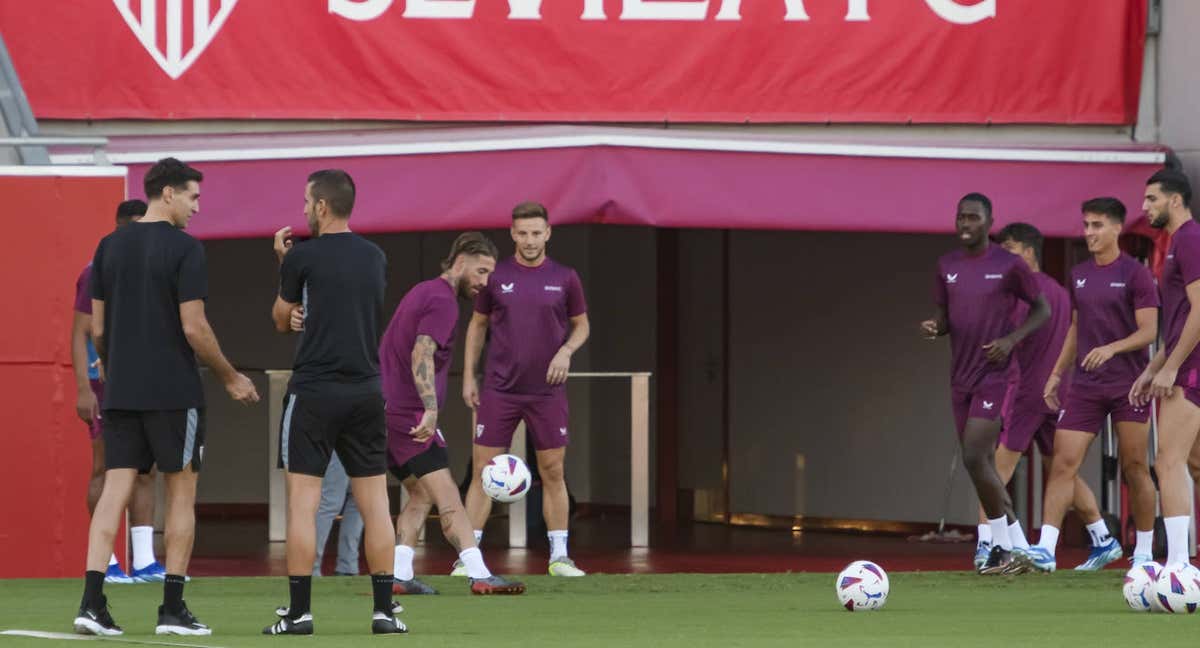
(1178, 83)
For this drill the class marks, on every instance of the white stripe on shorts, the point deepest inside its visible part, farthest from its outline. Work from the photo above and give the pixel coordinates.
(286, 431)
(189, 439)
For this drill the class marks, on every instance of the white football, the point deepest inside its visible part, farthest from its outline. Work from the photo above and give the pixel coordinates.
(506, 478)
(1178, 589)
(1139, 589)
(862, 585)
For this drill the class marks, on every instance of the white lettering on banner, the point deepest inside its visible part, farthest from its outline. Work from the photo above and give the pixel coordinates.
(952, 11)
(532, 10)
(359, 9)
(856, 10)
(439, 8)
(659, 10)
(732, 10)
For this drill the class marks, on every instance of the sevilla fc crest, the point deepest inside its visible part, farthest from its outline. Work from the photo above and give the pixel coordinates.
(175, 32)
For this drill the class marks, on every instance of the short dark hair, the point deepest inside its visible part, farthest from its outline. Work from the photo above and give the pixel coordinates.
(1173, 181)
(1025, 234)
(336, 188)
(129, 210)
(980, 198)
(470, 243)
(530, 209)
(1105, 206)
(168, 172)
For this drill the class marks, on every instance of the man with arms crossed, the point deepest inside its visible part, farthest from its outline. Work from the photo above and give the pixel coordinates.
(334, 282)
(1173, 376)
(537, 314)
(1028, 418)
(415, 356)
(976, 290)
(90, 392)
(149, 282)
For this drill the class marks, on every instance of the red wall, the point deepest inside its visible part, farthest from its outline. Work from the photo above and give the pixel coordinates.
(52, 225)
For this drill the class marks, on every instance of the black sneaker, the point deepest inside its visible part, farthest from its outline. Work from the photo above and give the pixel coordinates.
(97, 621)
(284, 610)
(999, 560)
(411, 587)
(289, 626)
(182, 622)
(385, 623)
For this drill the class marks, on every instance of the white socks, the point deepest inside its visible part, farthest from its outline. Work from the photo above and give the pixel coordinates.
(1000, 533)
(143, 546)
(1098, 532)
(983, 535)
(558, 544)
(1017, 536)
(473, 560)
(113, 561)
(1049, 539)
(1145, 543)
(402, 565)
(1177, 535)
(478, 536)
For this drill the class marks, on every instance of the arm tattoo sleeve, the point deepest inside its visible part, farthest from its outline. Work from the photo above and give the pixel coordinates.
(423, 371)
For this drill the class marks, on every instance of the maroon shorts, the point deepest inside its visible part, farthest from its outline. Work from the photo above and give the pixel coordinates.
(499, 413)
(401, 446)
(1190, 384)
(1029, 420)
(984, 401)
(1087, 406)
(97, 427)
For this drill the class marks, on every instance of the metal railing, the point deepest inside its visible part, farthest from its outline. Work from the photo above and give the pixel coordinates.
(97, 144)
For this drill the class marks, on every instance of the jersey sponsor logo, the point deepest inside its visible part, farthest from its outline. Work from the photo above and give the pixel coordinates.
(1116, 284)
(993, 276)
(172, 56)
(507, 288)
(554, 288)
(987, 405)
(1080, 283)
(952, 278)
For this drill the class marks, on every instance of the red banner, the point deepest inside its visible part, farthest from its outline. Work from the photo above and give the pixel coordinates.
(947, 61)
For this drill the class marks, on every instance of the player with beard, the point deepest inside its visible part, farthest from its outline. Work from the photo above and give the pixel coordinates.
(537, 315)
(415, 357)
(1173, 376)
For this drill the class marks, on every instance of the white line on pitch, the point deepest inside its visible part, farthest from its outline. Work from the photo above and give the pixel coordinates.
(76, 637)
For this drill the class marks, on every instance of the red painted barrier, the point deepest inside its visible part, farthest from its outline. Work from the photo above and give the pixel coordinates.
(52, 225)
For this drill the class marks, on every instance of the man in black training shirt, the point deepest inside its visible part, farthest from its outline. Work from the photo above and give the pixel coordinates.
(335, 282)
(149, 282)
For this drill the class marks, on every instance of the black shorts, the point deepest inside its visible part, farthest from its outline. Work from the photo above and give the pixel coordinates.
(313, 427)
(432, 460)
(171, 439)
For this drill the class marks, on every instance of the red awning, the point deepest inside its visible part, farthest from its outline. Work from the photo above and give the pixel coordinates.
(453, 179)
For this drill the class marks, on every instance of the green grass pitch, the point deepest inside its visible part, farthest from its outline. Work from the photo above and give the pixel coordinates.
(662, 611)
